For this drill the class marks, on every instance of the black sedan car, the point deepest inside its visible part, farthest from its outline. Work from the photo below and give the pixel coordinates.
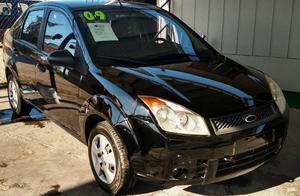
(150, 98)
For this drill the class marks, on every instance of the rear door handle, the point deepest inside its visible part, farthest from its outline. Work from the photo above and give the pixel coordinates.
(42, 68)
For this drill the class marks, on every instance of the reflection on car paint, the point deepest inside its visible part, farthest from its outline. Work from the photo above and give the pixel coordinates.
(7, 116)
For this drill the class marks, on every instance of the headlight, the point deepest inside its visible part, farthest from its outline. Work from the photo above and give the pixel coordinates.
(174, 118)
(277, 94)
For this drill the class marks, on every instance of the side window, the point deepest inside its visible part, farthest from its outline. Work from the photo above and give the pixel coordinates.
(59, 34)
(18, 27)
(32, 26)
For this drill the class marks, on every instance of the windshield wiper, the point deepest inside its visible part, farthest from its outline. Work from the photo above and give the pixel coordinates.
(169, 57)
(122, 59)
(173, 56)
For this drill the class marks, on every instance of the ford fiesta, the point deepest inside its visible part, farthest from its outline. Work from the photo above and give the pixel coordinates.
(150, 98)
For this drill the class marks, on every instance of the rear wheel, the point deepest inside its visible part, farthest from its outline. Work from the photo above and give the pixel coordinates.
(109, 160)
(17, 104)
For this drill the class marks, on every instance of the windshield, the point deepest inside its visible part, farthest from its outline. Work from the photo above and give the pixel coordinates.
(147, 36)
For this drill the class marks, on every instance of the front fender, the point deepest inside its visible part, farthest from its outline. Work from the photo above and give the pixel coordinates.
(105, 108)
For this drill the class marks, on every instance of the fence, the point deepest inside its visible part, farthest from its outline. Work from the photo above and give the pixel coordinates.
(10, 10)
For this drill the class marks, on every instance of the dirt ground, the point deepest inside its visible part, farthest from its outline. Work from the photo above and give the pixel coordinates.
(39, 158)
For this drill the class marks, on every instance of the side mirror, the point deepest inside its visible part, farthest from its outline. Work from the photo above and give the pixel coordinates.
(61, 58)
(203, 36)
(57, 36)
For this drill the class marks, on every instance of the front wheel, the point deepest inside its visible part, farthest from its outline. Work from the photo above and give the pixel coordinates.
(109, 159)
(17, 104)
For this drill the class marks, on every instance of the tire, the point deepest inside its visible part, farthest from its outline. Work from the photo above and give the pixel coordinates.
(122, 171)
(17, 104)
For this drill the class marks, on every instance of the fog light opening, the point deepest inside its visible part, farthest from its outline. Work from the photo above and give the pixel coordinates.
(179, 173)
(279, 146)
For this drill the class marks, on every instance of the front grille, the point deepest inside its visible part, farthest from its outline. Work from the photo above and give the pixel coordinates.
(246, 160)
(236, 122)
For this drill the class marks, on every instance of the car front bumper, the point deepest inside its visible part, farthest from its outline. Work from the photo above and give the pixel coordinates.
(218, 158)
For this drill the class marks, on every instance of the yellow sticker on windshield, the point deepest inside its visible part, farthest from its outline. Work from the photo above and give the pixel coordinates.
(92, 16)
(101, 15)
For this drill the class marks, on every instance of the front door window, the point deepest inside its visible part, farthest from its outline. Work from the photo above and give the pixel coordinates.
(59, 34)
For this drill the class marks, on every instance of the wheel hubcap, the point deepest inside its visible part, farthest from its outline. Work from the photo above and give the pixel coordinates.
(13, 94)
(104, 160)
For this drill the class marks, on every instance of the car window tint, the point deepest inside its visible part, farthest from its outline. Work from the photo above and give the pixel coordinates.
(59, 34)
(150, 36)
(18, 27)
(32, 26)
(5, 9)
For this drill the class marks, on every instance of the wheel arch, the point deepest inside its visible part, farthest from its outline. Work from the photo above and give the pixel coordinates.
(90, 122)
(101, 108)
(11, 69)
(8, 72)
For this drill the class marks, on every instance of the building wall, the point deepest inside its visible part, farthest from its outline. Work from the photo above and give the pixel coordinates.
(261, 33)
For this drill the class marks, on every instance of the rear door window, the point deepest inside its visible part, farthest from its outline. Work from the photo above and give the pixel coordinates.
(32, 26)
(59, 34)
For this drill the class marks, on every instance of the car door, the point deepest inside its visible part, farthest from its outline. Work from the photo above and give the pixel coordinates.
(57, 84)
(26, 52)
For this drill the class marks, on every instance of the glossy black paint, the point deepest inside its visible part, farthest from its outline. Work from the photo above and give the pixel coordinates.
(61, 58)
(7, 117)
(78, 97)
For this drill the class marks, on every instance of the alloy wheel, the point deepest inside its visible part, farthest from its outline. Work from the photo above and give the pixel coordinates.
(13, 94)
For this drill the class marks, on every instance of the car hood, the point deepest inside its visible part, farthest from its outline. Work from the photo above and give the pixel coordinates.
(208, 88)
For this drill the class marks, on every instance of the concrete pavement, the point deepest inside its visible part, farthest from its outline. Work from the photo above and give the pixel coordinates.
(2, 71)
(39, 158)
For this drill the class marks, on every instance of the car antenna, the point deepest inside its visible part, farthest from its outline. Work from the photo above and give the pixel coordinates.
(120, 3)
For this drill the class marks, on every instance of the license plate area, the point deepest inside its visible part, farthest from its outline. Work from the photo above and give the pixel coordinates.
(248, 144)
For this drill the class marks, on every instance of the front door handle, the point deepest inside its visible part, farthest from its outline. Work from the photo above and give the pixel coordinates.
(41, 67)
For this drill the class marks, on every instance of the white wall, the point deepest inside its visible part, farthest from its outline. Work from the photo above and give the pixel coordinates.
(166, 4)
(261, 33)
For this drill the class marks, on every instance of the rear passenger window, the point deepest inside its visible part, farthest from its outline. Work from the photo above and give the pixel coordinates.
(59, 34)
(32, 26)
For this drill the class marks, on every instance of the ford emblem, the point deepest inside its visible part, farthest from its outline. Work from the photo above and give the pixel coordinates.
(250, 118)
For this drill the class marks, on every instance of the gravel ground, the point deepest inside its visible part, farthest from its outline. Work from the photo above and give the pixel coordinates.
(39, 158)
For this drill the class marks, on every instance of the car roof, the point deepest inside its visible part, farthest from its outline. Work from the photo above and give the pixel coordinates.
(21, 1)
(83, 4)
